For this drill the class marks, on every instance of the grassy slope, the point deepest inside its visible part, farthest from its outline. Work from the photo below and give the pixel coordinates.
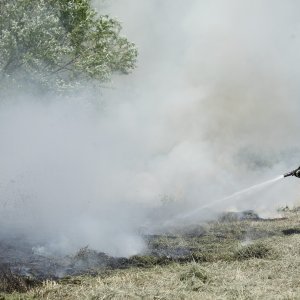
(231, 272)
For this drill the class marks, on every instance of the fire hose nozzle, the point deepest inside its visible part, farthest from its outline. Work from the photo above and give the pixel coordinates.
(289, 174)
(295, 173)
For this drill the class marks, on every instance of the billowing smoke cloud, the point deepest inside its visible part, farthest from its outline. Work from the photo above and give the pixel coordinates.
(222, 82)
(212, 108)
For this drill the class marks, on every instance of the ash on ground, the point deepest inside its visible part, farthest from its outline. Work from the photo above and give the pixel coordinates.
(32, 261)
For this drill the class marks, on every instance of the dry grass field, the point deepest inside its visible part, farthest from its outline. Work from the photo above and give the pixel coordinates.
(229, 259)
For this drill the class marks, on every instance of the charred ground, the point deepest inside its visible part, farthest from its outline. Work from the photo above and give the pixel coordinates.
(234, 237)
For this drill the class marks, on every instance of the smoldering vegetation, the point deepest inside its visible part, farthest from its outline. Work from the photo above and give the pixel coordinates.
(211, 110)
(23, 266)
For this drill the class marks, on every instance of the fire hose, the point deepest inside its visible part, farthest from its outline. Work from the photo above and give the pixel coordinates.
(295, 172)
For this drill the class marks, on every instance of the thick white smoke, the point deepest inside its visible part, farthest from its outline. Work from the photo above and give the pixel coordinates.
(212, 108)
(221, 81)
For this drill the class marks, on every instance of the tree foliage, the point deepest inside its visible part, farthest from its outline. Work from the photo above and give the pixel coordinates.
(60, 43)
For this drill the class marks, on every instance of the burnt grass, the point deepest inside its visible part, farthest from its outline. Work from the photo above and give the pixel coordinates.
(21, 268)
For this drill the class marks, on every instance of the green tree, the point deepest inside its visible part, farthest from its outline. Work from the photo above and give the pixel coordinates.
(60, 44)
